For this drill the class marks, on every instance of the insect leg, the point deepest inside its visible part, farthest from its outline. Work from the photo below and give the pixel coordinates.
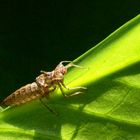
(42, 71)
(72, 88)
(61, 82)
(74, 94)
(51, 110)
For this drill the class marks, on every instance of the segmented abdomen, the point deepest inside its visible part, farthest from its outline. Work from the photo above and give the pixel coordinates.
(24, 94)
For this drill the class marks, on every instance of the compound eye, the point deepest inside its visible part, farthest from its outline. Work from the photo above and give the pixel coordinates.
(64, 70)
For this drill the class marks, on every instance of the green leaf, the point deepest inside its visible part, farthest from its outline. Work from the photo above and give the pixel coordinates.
(108, 109)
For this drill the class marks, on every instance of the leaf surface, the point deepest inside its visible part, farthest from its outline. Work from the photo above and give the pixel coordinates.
(108, 109)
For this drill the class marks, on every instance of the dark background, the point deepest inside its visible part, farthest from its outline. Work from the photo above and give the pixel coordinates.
(37, 35)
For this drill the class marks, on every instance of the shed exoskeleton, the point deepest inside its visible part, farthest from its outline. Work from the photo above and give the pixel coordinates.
(44, 84)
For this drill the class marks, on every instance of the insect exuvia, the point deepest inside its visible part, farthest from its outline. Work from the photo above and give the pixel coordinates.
(42, 87)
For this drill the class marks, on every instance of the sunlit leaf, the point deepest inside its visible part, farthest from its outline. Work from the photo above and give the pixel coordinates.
(108, 109)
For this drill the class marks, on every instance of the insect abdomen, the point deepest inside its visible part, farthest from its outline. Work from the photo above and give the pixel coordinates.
(24, 94)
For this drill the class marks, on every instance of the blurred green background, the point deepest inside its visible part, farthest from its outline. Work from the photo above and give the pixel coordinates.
(37, 35)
